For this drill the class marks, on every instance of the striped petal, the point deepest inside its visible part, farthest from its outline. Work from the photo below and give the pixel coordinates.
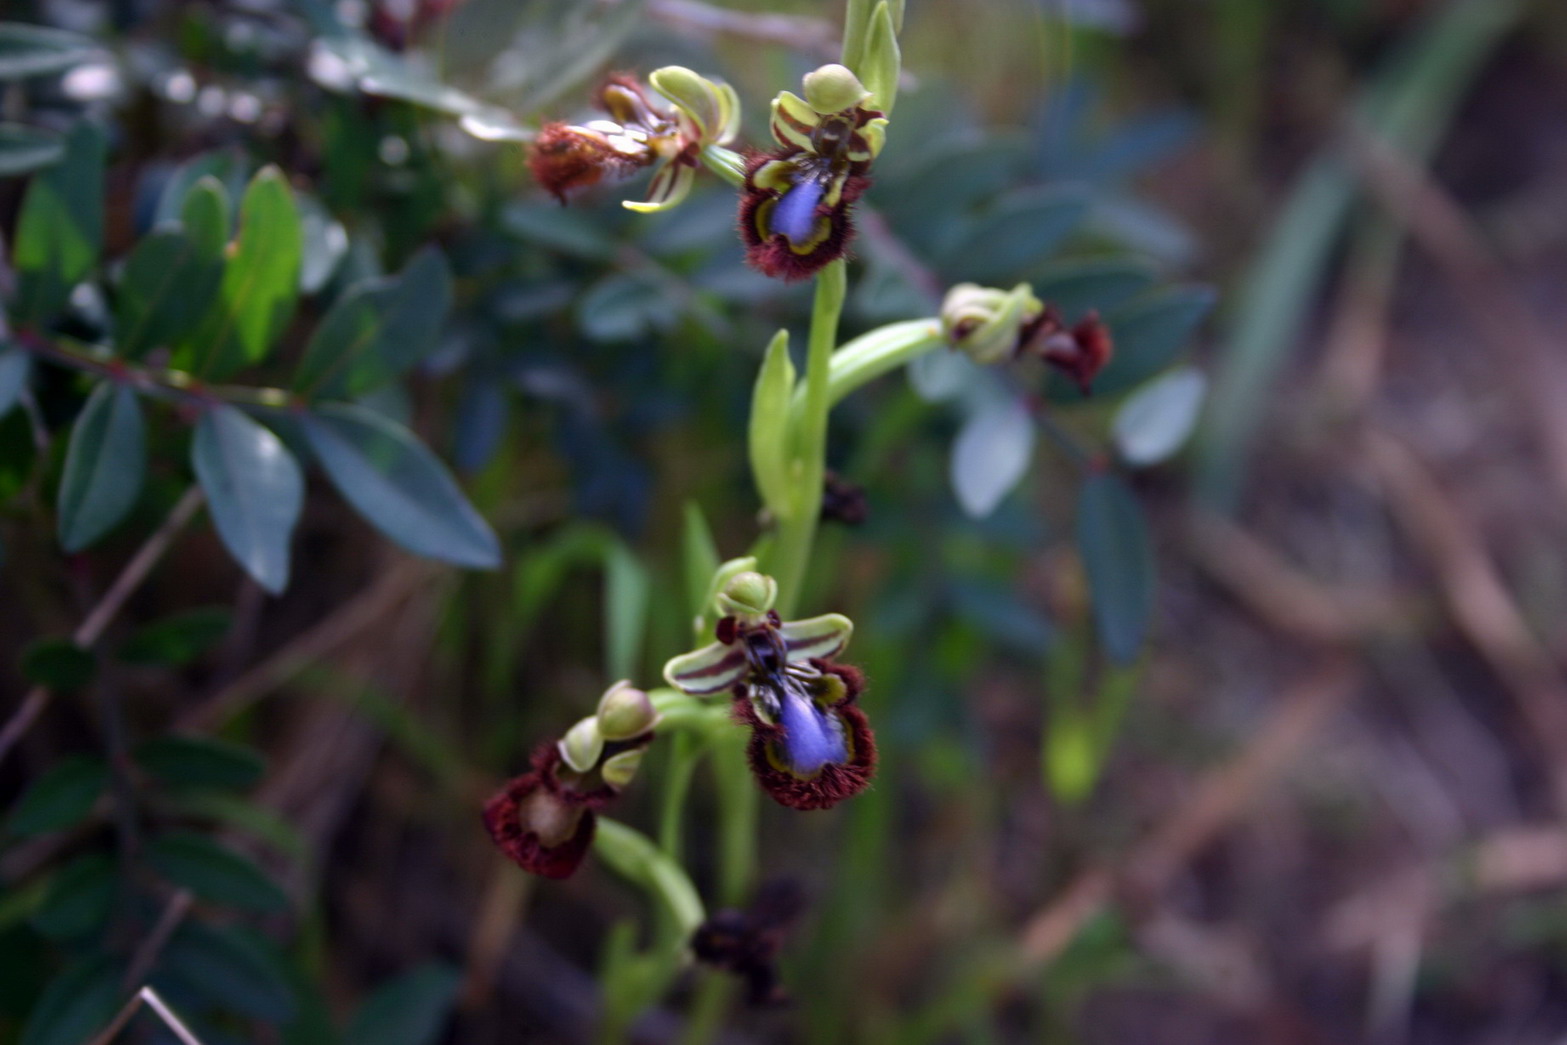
(816, 636)
(669, 187)
(793, 121)
(711, 669)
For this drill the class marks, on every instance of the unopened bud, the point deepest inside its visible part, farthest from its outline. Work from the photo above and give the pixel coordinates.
(618, 770)
(748, 594)
(625, 712)
(986, 323)
(582, 745)
(833, 88)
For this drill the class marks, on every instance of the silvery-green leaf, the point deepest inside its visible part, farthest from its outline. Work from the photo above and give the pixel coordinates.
(991, 454)
(104, 465)
(254, 488)
(1156, 421)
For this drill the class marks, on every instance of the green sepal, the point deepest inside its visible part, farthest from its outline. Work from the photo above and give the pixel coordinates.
(582, 745)
(712, 669)
(883, 61)
(769, 434)
(669, 188)
(814, 637)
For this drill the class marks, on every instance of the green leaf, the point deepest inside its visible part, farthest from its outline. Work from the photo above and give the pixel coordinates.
(36, 50)
(1018, 232)
(410, 1010)
(78, 898)
(104, 466)
(627, 590)
(26, 149)
(378, 329)
(1113, 539)
(769, 434)
(204, 213)
(260, 283)
(15, 368)
(254, 488)
(61, 797)
(626, 305)
(399, 486)
(178, 639)
(60, 230)
(1077, 287)
(326, 243)
(76, 1005)
(233, 969)
(882, 64)
(58, 664)
(227, 168)
(1156, 420)
(168, 286)
(1149, 334)
(187, 761)
(700, 556)
(214, 873)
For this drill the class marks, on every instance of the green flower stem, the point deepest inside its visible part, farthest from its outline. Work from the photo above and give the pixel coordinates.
(676, 785)
(797, 530)
(737, 815)
(633, 855)
(678, 712)
(726, 163)
(869, 356)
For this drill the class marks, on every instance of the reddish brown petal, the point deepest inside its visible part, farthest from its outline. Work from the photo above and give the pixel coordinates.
(504, 816)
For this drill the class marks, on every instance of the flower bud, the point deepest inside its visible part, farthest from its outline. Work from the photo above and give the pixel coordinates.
(833, 88)
(582, 745)
(618, 770)
(986, 323)
(625, 712)
(748, 594)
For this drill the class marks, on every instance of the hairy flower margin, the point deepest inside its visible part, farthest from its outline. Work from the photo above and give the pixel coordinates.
(795, 209)
(545, 818)
(669, 125)
(811, 746)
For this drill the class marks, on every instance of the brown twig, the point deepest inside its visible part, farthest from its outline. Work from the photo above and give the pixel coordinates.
(1477, 599)
(1281, 594)
(149, 997)
(1151, 864)
(348, 621)
(130, 578)
(1525, 349)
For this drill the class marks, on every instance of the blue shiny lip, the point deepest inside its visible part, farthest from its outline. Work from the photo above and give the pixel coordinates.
(811, 738)
(794, 215)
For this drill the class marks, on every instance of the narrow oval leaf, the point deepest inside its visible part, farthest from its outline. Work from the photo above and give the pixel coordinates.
(36, 50)
(254, 488)
(1016, 234)
(166, 288)
(15, 367)
(1079, 286)
(61, 797)
(204, 213)
(58, 664)
(234, 969)
(78, 899)
(399, 486)
(186, 761)
(379, 329)
(214, 873)
(991, 454)
(60, 230)
(26, 149)
(178, 639)
(103, 466)
(1113, 539)
(410, 1010)
(260, 283)
(76, 1005)
(769, 435)
(1157, 420)
(879, 68)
